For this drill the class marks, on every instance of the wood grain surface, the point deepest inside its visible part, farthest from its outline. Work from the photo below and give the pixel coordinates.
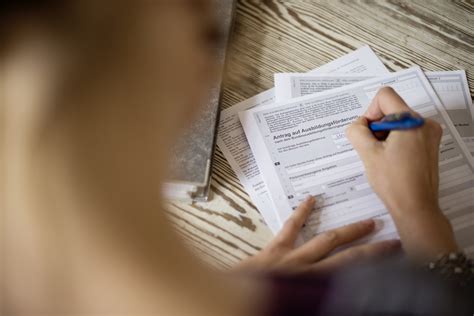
(296, 36)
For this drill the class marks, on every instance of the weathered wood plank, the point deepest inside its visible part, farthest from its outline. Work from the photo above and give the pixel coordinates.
(280, 36)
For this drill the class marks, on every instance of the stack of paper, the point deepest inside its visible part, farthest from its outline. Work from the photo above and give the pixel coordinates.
(288, 142)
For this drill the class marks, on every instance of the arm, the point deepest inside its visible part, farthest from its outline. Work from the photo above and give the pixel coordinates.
(403, 171)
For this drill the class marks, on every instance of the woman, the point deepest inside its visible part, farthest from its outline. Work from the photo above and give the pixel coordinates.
(94, 94)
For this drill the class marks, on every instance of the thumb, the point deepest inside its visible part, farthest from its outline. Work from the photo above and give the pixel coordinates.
(361, 138)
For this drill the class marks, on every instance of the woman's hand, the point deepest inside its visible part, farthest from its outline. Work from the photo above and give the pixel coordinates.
(315, 255)
(403, 171)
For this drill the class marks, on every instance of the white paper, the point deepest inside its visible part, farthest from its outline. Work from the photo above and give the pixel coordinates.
(453, 90)
(450, 86)
(293, 85)
(233, 143)
(300, 148)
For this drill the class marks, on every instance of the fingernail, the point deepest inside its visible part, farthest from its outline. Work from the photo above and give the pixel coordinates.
(368, 222)
(310, 199)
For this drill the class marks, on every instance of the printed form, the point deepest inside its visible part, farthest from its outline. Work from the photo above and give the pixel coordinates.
(453, 90)
(300, 148)
(450, 86)
(233, 143)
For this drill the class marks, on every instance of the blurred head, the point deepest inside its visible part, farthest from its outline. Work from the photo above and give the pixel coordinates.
(95, 94)
(142, 64)
(110, 83)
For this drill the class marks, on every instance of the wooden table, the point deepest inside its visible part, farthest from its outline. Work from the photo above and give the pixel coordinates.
(296, 36)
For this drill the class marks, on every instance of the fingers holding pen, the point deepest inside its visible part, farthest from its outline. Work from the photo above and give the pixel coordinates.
(386, 101)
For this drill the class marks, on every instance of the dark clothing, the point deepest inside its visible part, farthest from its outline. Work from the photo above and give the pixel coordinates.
(382, 288)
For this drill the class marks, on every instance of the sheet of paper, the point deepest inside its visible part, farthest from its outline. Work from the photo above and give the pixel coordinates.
(300, 148)
(293, 85)
(233, 143)
(453, 90)
(450, 86)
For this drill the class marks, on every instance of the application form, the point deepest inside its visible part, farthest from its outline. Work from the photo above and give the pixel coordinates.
(450, 86)
(293, 85)
(453, 90)
(232, 142)
(300, 148)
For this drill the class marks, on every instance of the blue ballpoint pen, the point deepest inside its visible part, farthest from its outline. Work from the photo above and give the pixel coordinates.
(397, 121)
